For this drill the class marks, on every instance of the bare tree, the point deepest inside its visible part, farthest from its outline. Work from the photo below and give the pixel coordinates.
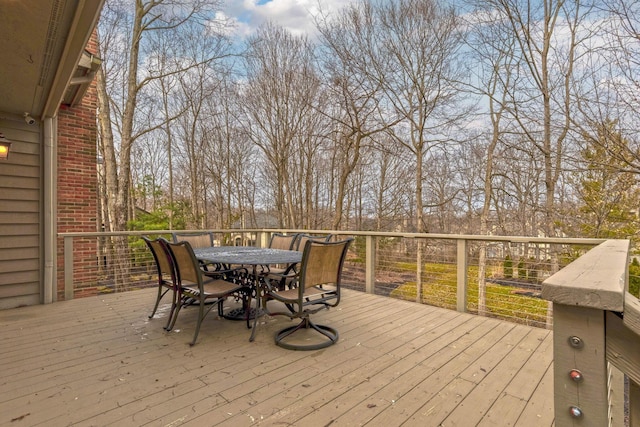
(346, 53)
(547, 34)
(389, 171)
(147, 23)
(279, 94)
(391, 65)
(313, 139)
(230, 182)
(149, 172)
(609, 85)
(492, 49)
(120, 89)
(415, 61)
(623, 51)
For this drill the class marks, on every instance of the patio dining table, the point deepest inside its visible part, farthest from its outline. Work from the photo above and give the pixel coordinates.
(248, 256)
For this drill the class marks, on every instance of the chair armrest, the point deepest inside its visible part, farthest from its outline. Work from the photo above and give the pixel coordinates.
(284, 279)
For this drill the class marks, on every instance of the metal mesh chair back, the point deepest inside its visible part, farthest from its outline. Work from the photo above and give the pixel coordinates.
(197, 240)
(187, 266)
(283, 241)
(161, 256)
(167, 280)
(304, 238)
(322, 263)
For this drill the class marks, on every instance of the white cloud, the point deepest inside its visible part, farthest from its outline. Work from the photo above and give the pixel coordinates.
(294, 15)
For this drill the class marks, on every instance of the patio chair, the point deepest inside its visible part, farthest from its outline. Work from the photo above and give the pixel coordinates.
(204, 239)
(166, 273)
(280, 241)
(195, 287)
(196, 240)
(283, 241)
(303, 238)
(286, 276)
(318, 287)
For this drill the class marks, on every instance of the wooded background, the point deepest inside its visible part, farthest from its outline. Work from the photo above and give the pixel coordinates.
(509, 117)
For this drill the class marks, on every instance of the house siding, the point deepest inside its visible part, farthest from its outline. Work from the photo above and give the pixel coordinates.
(22, 185)
(21, 215)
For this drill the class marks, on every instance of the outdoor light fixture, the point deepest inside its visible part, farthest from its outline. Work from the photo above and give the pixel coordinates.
(5, 145)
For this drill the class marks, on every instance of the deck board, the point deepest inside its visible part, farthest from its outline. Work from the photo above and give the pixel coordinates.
(491, 382)
(437, 374)
(102, 361)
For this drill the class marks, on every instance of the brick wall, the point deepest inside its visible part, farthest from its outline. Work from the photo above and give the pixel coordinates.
(77, 186)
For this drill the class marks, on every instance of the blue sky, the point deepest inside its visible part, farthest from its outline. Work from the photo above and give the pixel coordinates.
(294, 15)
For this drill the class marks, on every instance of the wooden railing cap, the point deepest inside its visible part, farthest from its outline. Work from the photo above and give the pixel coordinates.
(595, 280)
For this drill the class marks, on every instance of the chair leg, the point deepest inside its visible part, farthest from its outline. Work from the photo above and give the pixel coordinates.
(174, 303)
(246, 304)
(221, 307)
(200, 317)
(179, 304)
(260, 309)
(255, 318)
(330, 333)
(158, 298)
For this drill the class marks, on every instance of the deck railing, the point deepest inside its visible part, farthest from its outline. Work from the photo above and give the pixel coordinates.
(596, 339)
(497, 276)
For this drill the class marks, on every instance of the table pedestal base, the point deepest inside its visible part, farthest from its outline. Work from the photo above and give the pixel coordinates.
(241, 314)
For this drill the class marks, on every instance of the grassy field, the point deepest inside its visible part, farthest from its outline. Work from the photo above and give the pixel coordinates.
(505, 302)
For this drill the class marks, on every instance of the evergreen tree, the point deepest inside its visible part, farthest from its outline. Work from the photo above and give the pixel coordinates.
(608, 191)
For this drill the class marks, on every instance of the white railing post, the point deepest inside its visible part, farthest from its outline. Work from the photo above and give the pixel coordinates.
(261, 239)
(370, 264)
(462, 280)
(68, 268)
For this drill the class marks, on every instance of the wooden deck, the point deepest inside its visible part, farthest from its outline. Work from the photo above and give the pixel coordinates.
(100, 361)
